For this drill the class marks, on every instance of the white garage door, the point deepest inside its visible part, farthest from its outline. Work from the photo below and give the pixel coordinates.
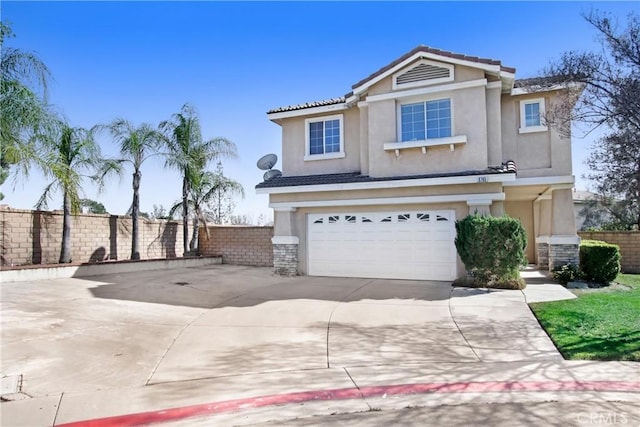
(416, 245)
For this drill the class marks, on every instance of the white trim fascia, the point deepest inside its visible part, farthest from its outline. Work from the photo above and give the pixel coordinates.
(326, 156)
(412, 200)
(426, 90)
(494, 85)
(403, 183)
(425, 55)
(287, 209)
(362, 104)
(540, 180)
(480, 202)
(564, 240)
(308, 111)
(285, 240)
(532, 129)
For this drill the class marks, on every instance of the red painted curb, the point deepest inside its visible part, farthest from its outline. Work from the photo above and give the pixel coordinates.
(213, 408)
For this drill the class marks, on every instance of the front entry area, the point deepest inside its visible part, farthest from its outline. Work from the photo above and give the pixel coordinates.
(413, 245)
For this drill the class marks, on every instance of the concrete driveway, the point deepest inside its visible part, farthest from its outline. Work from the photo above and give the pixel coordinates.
(138, 329)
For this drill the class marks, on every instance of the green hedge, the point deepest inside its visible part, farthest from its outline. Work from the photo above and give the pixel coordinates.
(491, 248)
(599, 261)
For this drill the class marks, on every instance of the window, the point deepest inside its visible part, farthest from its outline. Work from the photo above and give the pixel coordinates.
(425, 120)
(324, 138)
(532, 116)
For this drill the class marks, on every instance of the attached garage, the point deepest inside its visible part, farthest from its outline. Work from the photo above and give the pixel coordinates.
(413, 245)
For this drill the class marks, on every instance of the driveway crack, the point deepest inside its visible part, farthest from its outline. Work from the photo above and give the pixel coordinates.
(368, 282)
(357, 387)
(458, 326)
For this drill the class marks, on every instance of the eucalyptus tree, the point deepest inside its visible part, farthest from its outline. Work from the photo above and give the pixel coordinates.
(188, 152)
(23, 109)
(137, 144)
(68, 156)
(205, 188)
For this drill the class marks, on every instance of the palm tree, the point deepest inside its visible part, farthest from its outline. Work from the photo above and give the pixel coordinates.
(189, 153)
(137, 144)
(205, 188)
(23, 109)
(67, 153)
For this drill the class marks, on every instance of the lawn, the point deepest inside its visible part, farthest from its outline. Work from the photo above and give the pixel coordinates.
(602, 324)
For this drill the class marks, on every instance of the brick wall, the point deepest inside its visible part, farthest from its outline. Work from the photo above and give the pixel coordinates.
(34, 237)
(240, 245)
(628, 241)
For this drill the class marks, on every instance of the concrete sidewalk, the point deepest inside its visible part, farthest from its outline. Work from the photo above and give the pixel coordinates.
(243, 400)
(227, 342)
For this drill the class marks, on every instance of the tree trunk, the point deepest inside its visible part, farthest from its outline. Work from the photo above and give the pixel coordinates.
(135, 209)
(65, 250)
(185, 216)
(194, 238)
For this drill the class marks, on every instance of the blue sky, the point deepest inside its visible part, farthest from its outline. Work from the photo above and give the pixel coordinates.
(235, 60)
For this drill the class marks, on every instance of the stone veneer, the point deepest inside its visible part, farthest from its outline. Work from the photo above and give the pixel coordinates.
(285, 259)
(560, 254)
(543, 255)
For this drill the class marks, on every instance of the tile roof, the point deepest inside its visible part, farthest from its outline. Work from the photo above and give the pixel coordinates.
(421, 48)
(539, 81)
(331, 101)
(356, 177)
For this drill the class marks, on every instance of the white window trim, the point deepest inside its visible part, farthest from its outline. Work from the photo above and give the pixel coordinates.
(530, 129)
(336, 155)
(423, 100)
(450, 67)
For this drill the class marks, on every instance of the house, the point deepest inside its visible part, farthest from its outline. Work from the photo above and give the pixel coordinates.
(374, 181)
(580, 199)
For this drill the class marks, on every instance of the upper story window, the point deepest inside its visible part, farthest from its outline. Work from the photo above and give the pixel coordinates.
(324, 138)
(532, 115)
(425, 120)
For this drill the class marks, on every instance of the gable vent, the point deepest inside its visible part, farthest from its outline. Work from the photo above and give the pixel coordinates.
(423, 72)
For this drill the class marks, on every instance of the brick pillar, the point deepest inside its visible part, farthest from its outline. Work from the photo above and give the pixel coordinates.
(285, 255)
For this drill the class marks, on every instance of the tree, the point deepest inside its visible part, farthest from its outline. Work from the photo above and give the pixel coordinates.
(93, 206)
(23, 110)
(205, 187)
(136, 144)
(610, 85)
(222, 200)
(189, 153)
(67, 153)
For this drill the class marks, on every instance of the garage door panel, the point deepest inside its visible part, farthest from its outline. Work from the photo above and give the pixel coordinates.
(401, 245)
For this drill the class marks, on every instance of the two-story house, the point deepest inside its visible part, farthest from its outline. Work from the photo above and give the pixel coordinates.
(374, 181)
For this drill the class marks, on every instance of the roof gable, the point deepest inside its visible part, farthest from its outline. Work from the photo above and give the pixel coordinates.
(426, 52)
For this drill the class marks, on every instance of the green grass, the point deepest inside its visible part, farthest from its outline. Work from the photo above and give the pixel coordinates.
(598, 325)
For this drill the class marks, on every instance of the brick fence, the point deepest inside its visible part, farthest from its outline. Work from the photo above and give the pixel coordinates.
(34, 237)
(240, 245)
(628, 241)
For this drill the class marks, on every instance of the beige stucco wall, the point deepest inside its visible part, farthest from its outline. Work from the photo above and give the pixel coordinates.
(468, 118)
(524, 212)
(435, 190)
(293, 146)
(544, 153)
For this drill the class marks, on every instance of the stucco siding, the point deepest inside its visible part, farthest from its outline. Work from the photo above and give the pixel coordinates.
(524, 212)
(294, 147)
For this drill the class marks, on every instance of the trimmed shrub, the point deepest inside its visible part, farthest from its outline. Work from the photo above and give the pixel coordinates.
(599, 261)
(566, 273)
(491, 248)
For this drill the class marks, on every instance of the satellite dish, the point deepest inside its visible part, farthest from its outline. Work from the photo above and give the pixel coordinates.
(271, 173)
(267, 162)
